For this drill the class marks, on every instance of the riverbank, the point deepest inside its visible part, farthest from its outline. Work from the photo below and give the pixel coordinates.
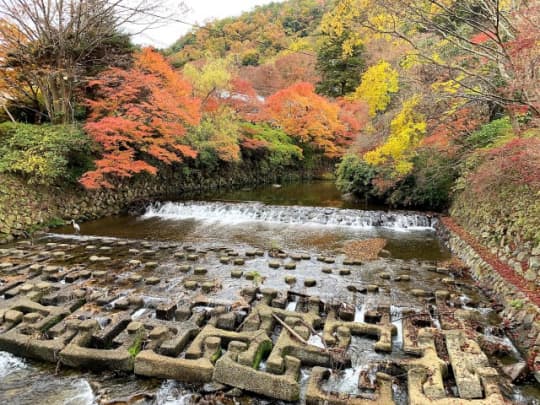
(26, 209)
(139, 266)
(519, 298)
(205, 306)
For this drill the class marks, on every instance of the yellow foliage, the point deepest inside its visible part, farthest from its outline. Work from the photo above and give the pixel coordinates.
(406, 131)
(451, 86)
(437, 58)
(351, 43)
(301, 44)
(410, 60)
(439, 7)
(378, 82)
(335, 22)
(214, 75)
(345, 20)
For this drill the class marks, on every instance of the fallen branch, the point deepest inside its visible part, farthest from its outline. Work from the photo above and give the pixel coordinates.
(291, 331)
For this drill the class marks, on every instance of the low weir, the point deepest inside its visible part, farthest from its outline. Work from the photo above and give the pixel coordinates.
(235, 213)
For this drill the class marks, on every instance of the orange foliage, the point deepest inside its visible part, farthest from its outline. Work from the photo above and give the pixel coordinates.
(254, 144)
(444, 133)
(138, 114)
(524, 55)
(515, 163)
(244, 100)
(308, 117)
(283, 72)
(354, 115)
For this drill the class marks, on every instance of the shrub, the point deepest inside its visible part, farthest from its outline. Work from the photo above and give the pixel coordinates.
(489, 133)
(44, 154)
(514, 163)
(273, 143)
(355, 176)
(430, 183)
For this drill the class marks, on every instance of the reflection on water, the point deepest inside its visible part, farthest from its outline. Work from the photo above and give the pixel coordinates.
(422, 244)
(311, 229)
(307, 194)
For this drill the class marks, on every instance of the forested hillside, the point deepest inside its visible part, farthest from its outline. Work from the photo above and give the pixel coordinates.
(439, 91)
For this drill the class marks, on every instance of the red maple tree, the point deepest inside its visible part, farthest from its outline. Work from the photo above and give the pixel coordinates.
(311, 119)
(138, 117)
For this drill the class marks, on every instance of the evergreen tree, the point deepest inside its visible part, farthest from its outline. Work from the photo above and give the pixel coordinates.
(340, 72)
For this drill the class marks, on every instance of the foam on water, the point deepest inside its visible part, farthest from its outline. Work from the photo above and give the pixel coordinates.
(83, 393)
(173, 393)
(237, 213)
(10, 364)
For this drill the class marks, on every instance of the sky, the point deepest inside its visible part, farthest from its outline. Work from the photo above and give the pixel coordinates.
(200, 12)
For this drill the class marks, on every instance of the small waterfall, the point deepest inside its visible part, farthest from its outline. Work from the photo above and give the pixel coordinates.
(236, 213)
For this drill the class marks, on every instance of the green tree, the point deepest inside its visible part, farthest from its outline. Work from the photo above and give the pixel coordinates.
(216, 137)
(356, 176)
(340, 72)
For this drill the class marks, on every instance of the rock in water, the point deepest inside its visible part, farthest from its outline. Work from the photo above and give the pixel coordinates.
(515, 371)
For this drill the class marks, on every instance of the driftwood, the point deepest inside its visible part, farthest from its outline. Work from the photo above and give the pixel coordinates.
(290, 330)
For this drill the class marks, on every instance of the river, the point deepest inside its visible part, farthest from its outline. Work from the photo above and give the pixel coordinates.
(311, 219)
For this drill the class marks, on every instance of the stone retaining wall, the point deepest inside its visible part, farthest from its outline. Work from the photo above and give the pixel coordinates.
(27, 208)
(508, 225)
(520, 315)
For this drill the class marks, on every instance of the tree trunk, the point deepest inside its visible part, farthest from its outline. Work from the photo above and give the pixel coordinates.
(57, 95)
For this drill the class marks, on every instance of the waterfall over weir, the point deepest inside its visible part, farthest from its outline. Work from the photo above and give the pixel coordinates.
(235, 213)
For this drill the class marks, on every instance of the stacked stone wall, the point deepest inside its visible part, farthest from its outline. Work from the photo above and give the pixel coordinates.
(25, 208)
(507, 224)
(520, 313)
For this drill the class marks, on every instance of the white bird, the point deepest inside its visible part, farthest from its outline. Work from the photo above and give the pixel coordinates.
(76, 226)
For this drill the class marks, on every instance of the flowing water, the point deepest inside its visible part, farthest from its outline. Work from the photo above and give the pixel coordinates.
(311, 216)
(311, 219)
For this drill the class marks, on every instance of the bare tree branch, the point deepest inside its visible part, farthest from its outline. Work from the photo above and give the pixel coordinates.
(56, 45)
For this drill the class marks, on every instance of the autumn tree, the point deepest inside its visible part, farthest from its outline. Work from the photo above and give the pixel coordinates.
(512, 164)
(215, 138)
(139, 118)
(59, 44)
(379, 82)
(354, 115)
(284, 71)
(406, 131)
(488, 48)
(16, 90)
(244, 100)
(210, 77)
(308, 117)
